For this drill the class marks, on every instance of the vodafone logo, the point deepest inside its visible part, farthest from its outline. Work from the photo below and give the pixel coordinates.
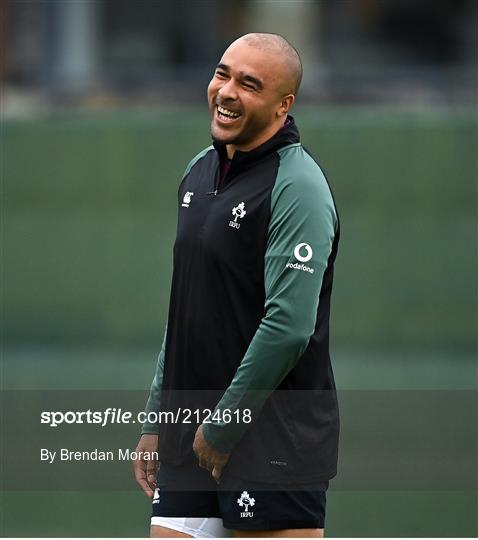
(303, 253)
(303, 247)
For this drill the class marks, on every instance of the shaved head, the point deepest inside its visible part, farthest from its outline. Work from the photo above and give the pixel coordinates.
(276, 44)
(252, 90)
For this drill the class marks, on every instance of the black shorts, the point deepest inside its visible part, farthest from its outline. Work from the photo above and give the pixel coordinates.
(189, 491)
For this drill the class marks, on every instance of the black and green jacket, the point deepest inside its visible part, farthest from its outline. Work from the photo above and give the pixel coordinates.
(248, 324)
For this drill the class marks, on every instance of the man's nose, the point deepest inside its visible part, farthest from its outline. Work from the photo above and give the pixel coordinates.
(228, 90)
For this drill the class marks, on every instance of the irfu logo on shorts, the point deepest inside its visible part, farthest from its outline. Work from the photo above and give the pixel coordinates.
(244, 501)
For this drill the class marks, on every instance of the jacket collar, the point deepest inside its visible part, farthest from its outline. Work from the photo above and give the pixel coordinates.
(288, 134)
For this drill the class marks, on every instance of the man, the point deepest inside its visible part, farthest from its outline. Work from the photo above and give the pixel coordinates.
(248, 325)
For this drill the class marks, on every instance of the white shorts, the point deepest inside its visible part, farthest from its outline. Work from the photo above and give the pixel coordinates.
(208, 527)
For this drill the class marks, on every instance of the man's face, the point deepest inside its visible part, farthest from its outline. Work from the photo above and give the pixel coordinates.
(245, 97)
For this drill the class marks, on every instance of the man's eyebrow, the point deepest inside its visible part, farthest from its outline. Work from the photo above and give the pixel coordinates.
(253, 80)
(249, 78)
(225, 67)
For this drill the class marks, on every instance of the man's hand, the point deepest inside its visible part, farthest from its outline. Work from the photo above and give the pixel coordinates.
(209, 458)
(145, 470)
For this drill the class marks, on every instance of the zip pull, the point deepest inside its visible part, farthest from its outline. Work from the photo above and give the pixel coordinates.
(212, 192)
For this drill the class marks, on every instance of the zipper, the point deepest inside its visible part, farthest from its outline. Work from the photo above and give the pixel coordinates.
(216, 181)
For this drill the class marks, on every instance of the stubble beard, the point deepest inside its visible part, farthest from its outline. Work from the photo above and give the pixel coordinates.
(244, 136)
(232, 139)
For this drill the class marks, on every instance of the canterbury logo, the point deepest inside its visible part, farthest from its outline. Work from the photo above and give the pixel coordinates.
(187, 199)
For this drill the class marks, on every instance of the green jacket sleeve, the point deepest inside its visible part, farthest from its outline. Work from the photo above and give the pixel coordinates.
(155, 392)
(300, 236)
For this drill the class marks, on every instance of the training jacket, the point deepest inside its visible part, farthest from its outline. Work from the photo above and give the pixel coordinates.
(248, 323)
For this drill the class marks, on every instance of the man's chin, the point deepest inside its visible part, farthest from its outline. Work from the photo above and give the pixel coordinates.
(223, 138)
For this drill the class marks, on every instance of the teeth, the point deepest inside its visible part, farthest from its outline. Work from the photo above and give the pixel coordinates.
(227, 112)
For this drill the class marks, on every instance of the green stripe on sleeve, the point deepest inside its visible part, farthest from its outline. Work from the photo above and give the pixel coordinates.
(196, 159)
(155, 391)
(300, 236)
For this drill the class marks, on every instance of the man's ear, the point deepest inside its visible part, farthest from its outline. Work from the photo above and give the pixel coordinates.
(286, 104)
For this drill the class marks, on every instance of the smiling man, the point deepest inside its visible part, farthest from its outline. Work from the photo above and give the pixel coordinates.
(245, 366)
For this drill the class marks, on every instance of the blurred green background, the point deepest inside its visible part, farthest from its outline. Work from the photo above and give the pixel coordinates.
(89, 211)
(90, 215)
